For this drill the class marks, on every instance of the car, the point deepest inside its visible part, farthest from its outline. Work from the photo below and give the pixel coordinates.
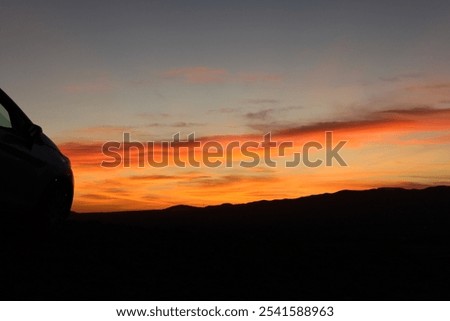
(36, 179)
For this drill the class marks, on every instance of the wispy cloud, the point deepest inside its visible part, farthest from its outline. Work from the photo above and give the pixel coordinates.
(259, 115)
(152, 177)
(334, 126)
(224, 110)
(269, 113)
(207, 75)
(197, 75)
(180, 124)
(405, 119)
(418, 111)
(258, 77)
(400, 77)
(104, 130)
(153, 115)
(98, 85)
(186, 124)
(85, 155)
(229, 180)
(261, 101)
(167, 177)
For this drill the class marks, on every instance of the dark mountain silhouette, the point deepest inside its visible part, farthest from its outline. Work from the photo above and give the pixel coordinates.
(381, 244)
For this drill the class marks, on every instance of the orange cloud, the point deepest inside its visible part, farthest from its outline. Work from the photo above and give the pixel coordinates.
(198, 75)
(206, 75)
(394, 147)
(98, 85)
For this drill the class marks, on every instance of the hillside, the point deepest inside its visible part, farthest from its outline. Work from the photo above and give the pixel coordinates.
(385, 244)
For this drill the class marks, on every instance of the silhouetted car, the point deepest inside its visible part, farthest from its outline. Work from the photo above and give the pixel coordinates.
(36, 180)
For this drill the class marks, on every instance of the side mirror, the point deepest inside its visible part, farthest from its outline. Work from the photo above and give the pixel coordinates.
(35, 132)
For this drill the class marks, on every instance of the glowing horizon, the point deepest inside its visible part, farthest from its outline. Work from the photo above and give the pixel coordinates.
(385, 151)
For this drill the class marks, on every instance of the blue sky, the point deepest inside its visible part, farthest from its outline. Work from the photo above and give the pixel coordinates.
(113, 55)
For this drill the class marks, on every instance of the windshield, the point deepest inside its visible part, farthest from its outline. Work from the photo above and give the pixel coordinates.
(5, 120)
(11, 116)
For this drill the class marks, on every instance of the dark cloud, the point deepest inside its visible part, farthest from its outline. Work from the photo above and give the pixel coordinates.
(261, 101)
(185, 124)
(370, 120)
(400, 77)
(176, 124)
(333, 125)
(153, 115)
(265, 127)
(224, 110)
(417, 111)
(269, 113)
(290, 108)
(259, 115)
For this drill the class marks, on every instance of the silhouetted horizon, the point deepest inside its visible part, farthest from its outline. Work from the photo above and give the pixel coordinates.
(381, 244)
(181, 207)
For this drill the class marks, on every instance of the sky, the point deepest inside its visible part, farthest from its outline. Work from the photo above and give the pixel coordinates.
(375, 73)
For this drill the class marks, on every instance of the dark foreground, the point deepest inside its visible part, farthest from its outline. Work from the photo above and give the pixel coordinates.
(385, 244)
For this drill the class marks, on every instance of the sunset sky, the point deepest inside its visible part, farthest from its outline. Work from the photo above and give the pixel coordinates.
(376, 73)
